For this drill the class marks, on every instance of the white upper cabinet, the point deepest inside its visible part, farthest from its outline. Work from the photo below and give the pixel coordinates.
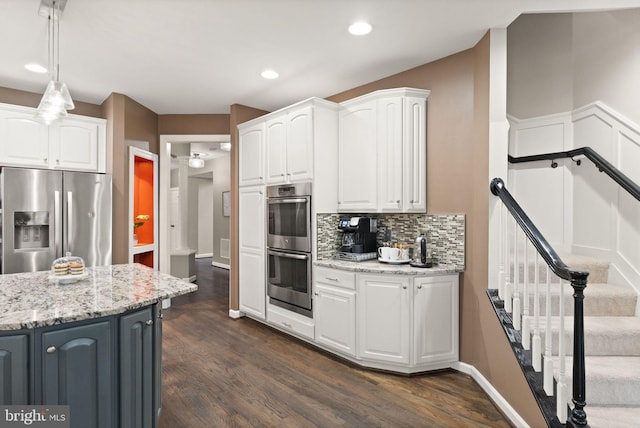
(300, 144)
(414, 146)
(251, 154)
(276, 143)
(290, 146)
(76, 143)
(357, 169)
(382, 152)
(24, 141)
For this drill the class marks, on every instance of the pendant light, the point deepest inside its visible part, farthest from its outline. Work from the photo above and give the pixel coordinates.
(56, 99)
(195, 161)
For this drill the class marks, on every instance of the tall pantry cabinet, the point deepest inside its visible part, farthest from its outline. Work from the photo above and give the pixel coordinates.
(291, 145)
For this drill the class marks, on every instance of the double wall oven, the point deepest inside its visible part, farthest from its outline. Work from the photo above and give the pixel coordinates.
(289, 247)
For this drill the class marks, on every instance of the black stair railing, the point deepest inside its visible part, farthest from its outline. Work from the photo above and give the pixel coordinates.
(578, 280)
(601, 163)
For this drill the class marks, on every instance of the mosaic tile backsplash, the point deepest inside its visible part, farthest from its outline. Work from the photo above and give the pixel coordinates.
(445, 233)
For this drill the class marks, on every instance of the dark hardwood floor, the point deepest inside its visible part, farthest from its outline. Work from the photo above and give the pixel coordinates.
(221, 372)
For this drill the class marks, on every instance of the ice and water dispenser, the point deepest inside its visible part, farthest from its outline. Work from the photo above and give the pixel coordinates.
(31, 230)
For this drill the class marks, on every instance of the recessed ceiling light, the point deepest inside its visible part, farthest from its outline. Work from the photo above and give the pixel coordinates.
(360, 28)
(269, 74)
(36, 68)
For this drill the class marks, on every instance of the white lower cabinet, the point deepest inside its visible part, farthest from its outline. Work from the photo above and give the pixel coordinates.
(252, 276)
(335, 310)
(384, 316)
(435, 319)
(408, 321)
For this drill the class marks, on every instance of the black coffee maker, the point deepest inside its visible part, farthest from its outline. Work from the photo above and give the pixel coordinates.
(358, 234)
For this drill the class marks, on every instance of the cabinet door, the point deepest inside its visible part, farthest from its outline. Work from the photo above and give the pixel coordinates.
(276, 153)
(25, 141)
(300, 144)
(436, 321)
(136, 370)
(250, 152)
(252, 277)
(157, 362)
(390, 170)
(415, 154)
(74, 145)
(335, 318)
(357, 167)
(384, 317)
(77, 371)
(14, 369)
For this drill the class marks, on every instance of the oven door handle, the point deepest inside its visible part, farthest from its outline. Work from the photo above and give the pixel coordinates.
(287, 201)
(288, 255)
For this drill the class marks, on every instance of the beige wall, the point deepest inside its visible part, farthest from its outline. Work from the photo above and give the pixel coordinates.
(457, 182)
(189, 124)
(560, 62)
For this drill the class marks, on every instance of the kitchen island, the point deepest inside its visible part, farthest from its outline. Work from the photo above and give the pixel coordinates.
(94, 345)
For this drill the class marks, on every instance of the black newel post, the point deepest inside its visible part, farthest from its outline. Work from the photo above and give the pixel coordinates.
(578, 415)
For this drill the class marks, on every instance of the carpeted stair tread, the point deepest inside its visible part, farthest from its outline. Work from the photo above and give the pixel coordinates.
(603, 335)
(611, 380)
(601, 299)
(607, 417)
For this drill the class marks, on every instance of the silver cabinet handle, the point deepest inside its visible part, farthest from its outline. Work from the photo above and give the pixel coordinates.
(45, 160)
(51, 349)
(286, 324)
(419, 287)
(404, 287)
(316, 293)
(411, 201)
(282, 175)
(149, 323)
(331, 279)
(58, 161)
(398, 201)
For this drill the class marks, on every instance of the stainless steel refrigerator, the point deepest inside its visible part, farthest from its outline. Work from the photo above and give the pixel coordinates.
(46, 214)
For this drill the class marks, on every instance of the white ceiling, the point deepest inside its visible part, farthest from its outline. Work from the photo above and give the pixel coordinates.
(201, 56)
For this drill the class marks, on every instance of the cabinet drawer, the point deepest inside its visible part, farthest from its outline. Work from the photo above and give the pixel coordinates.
(335, 278)
(291, 322)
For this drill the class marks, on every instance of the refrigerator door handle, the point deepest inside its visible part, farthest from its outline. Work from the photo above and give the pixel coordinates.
(58, 223)
(69, 221)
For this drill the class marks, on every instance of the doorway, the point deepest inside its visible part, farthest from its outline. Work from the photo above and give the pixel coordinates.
(191, 220)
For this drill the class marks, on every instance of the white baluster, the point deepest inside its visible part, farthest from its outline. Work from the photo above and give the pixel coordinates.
(548, 357)
(517, 310)
(561, 387)
(536, 357)
(526, 322)
(508, 285)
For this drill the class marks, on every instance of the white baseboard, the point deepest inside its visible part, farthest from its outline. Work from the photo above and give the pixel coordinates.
(192, 278)
(235, 314)
(221, 265)
(203, 255)
(493, 393)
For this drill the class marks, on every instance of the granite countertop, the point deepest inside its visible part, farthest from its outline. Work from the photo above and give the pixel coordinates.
(31, 300)
(374, 266)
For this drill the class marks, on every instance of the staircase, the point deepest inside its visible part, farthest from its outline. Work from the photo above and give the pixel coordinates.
(612, 343)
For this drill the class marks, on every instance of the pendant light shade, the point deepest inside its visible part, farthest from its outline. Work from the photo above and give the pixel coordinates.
(195, 161)
(56, 99)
